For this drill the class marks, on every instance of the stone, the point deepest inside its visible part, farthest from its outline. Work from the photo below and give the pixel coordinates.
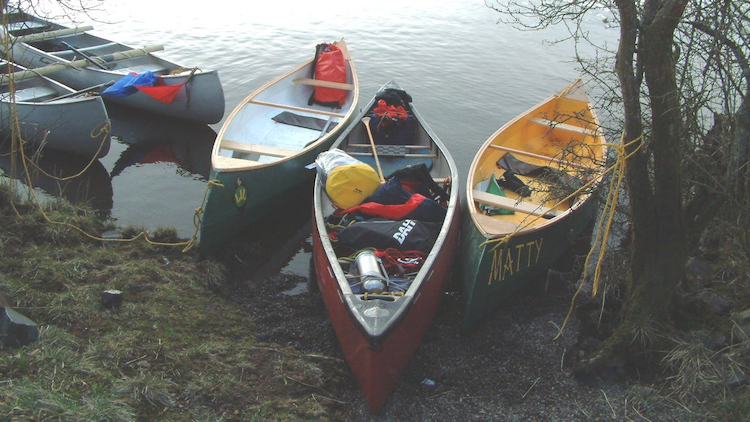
(714, 302)
(111, 299)
(16, 330)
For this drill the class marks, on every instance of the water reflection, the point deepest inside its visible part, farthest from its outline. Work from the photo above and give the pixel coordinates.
(153, 139)
(159, 167)
(47, 171)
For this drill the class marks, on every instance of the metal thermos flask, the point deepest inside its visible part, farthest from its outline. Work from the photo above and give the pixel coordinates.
(371, 272)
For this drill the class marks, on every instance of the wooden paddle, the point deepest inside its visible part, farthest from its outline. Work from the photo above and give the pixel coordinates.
(366, 121)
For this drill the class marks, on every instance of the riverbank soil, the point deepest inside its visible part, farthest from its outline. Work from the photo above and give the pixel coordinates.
(507, 369)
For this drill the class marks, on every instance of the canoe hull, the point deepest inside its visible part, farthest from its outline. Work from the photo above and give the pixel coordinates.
(556, 152)
(493, 272)
(52, 116)
(80, 126)
(379, 336)
(200, 100)
(377, 369)
(256, 160)
(263, 190)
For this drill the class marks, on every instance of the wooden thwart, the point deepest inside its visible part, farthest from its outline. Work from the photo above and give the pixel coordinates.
(256, 149)
(289, 107)
(326, 84)
(543, 157)
(46, 70)
(563, 126)
(512, 204)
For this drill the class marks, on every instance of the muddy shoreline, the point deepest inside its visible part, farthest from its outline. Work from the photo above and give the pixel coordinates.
(507, 369)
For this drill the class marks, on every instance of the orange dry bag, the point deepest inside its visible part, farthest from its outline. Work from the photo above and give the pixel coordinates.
(329, 65)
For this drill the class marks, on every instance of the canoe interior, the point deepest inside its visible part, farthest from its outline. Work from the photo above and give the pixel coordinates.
(251, 137)
(257, 161)
(86, 44)
(426, 149)
(562, 133)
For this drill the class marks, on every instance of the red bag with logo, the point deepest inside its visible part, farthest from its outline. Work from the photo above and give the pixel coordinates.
(329, 65)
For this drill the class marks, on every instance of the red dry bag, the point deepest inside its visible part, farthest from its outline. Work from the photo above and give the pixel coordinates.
(329, 65)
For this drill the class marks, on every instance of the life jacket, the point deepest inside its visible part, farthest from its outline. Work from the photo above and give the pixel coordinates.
(328, 65)
(394, 202)
(390, 121)
(389, 114)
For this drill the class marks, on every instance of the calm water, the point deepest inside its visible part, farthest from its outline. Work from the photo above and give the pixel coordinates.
(468, 75)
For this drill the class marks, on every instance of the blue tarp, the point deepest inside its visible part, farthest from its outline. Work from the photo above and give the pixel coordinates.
(127, 85)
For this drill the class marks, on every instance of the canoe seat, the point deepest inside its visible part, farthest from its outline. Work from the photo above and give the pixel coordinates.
(303, 109)
(563, 126)
(33, 94)
(327, 84)
(393, 151)
(255, 149)
(512, 204)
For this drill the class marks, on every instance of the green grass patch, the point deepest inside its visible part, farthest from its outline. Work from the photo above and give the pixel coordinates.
(173, 351)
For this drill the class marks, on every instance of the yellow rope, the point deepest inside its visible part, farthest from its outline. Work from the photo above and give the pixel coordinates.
(102, 129)
(605, 223)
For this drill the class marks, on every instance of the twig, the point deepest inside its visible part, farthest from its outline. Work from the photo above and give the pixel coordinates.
(532, 386)
(614, 414)
(581, 409)
(441, 394)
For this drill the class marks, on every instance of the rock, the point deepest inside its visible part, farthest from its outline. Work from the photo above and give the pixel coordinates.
(111, 298)
(736, 378)
(741, 329)
(742, 317)
(741, 332)
(698, 267)
(15, 329)
(712, 340)
(710, 300)
(110, 238)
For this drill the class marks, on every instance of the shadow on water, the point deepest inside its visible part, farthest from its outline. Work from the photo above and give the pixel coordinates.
(152, 139)
(279, 243)
(47, 171)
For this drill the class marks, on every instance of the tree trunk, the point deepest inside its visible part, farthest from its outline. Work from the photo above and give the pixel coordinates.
(659, 251)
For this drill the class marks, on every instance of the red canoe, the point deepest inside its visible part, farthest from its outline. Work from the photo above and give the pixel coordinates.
(379, 328)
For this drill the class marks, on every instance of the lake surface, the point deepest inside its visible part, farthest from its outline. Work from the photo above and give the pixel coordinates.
(467, 74)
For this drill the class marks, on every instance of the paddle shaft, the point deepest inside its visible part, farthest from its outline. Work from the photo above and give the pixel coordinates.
(41, 71)
(85, 56)
(80, 91)
(366, 121)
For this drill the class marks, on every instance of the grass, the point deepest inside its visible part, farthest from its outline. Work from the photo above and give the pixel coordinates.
(179, 349)
(176, 350)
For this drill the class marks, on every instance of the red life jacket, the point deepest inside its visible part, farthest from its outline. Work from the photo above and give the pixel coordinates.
(389, 113)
